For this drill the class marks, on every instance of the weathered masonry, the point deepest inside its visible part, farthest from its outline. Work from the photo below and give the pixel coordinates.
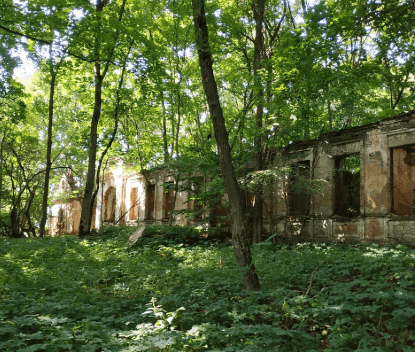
(363, 180)
(369, 191)
(65, 212)
(127, 198)
(135, 198)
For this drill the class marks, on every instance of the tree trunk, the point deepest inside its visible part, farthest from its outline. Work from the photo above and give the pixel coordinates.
(87, 205)
(85, 223)
(241, 248)
(48, 156)
(176, 190)
(114, 132)
(177, 175)
(26, 214)
(1, 174)
(257, 227)
(14, 223)
(165, 143)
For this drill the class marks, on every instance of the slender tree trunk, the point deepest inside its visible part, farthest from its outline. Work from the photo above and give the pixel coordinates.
(18, 218)
(114, 132)
(86, 214)
(26, 215)
(177, 175)
(178, 119)
(14, 223)
(330, 115)
(94, 195)
(197, 138)
(241, 248)
(165, 143)
(85, 223)
(257, 227)
(48, 155)
(176, 190)
(1, 173)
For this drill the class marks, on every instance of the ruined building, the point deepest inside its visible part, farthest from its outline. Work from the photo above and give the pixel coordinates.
(358, 183)
(65, 212)
(125, 198)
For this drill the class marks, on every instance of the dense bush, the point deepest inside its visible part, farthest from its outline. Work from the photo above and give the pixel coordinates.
(169, 235)
(65, 294)
(162, 235)
(110, 232)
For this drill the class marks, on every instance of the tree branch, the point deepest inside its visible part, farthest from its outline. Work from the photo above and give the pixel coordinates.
(48, 42)
(312, 276)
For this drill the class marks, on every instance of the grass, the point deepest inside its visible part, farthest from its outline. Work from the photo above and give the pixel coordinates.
(100, 294)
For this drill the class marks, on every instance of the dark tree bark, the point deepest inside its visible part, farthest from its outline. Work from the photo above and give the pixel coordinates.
(177, 173)
(239, 237)
(85, 223)
(48, 157)
(18, 218)
(165, 143)
(114, 132)
(26, 215)
(1, 173)
(258, 7)
(87, 205)
(53, 73)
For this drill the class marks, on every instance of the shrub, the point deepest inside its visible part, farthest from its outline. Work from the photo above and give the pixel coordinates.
(170, 235)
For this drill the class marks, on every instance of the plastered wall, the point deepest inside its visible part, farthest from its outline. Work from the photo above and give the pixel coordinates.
(387, 185)
(386, 154)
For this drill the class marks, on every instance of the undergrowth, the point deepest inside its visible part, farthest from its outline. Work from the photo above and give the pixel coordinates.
(100, 294)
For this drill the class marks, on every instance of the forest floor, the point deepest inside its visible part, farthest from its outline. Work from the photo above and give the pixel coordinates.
(101, 294)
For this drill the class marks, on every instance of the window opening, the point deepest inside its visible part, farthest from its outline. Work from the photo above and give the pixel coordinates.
(195, 198)
(403, 180)
(299, 188)
(60, 215)
(347, 185)
(168, 199)
(220, 213)
(199, 208)
(109, 204)
(60, 225)
(150, 191)
(133, 204)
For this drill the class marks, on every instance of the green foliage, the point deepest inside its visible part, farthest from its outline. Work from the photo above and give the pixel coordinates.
(162, 235)
(329, 66)
(352, 163)
(110, 232)
(100, 294)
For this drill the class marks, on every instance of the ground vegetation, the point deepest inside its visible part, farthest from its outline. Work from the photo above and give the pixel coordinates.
(127, 79)
(172, 292)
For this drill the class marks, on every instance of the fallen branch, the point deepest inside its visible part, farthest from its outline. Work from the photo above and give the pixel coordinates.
(136, 203)
(136, 235)
(312, 276)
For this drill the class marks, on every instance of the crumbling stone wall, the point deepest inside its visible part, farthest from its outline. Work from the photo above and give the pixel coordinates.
(139, 198)
(376, 203)
(403, 183)
(385, 201)
(65, 211)
(64, 217)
